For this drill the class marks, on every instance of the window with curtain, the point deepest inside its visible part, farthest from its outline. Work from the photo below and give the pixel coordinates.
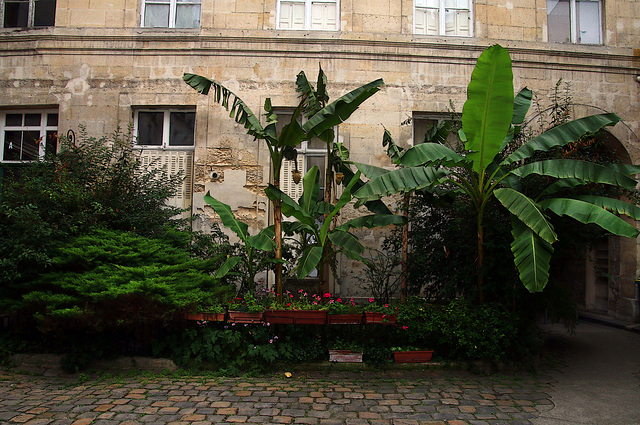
(442, 17)
(171, 13)
(574, 21)
(308, 14)
(27, 135)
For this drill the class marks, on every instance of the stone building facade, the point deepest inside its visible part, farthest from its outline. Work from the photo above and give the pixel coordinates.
(98, 63)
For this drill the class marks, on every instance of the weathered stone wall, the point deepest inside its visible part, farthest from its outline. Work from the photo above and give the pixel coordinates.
(97, 65)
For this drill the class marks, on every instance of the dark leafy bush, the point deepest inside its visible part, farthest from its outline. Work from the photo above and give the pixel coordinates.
(93, 183)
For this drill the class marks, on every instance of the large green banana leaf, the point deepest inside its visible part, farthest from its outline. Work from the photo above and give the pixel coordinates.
(376, 206)
(576, 169)
(228, 219)
(239, 110)
(309, 260)
(431, 153)
(310, 189)
(261, 241)
(393, 150)
(288, 206)
(527, 212)
(488, 111)
(227, 266)
(521, 105)
(350, 245)
(587, 213)
(614, 205)
(562, 135)
(340, 109)
(400, 180)
(344, 199)
(370, 171)
(532, 256)
(562, 184)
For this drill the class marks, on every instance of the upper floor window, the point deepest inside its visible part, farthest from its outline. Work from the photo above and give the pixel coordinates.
(27, 13)
(171, 13)
(165, 129)
(308, 14)
(442, 17)
(574, 21)
(27, 135)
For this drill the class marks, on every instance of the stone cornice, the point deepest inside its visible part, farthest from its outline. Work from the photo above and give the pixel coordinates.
(397, 48)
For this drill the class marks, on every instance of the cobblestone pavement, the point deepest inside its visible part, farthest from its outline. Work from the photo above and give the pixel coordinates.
(372, 398)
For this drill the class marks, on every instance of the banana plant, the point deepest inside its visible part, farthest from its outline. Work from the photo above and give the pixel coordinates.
(322, 117)
(491, 117)
(262, 241)
(313, 222)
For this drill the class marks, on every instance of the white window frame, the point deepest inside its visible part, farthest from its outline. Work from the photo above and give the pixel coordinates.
(166, 130)
(442, 19)
(173, 7)
(573, 21)
(308, 15)
(30, 17)
(42, 129)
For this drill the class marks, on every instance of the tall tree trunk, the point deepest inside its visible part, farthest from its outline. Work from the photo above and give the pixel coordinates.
(324, 271)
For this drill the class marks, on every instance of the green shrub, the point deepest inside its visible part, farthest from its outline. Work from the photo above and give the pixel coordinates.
(92, 183)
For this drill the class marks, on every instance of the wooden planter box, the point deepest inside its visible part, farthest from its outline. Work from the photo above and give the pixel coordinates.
(245, 317)
(208, 317)
(296, 317)
(344, 319)
(345, 356)
(379, 318)
(412, 356)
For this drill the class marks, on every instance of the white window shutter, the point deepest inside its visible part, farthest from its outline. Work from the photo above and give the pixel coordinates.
(173, 162)
(323, 16)
(291, 15)
(427, 21)
(287, 184)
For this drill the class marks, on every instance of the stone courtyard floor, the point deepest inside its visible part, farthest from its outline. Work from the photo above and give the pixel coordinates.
(403, 397)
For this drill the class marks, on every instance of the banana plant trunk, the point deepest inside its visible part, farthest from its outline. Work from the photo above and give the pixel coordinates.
(405, 250)
(277, 224)
(480, 260)
(324, 273)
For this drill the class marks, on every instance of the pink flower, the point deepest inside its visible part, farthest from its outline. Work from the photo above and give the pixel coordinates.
(405, 328)
(371, 300)
(315, 303)
(327, 295)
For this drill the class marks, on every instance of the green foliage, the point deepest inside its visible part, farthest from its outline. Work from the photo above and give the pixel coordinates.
(460, 331)
(96, 182)
(98, 275)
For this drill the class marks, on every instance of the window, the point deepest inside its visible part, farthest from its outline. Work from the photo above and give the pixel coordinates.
(27, 13)
(574, 21)
(442, 17)
(310, 153)
(425, 122)
(308, 14)
(28, 135)
(171, 13)
(166, 140)
(165, 129)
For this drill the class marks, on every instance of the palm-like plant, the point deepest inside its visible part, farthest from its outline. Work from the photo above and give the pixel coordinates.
(322, 118)
(491, 117)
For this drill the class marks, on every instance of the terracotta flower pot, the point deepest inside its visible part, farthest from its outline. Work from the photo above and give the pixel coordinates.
(412, 356)
(379, 318)
(245, 317)
(344, 319)
(296, 317)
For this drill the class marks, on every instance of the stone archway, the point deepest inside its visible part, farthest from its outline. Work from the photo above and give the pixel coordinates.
(608, 285)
